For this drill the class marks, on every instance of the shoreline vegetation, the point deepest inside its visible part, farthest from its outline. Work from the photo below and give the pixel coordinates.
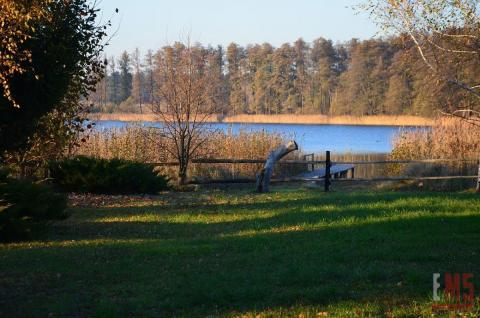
(374, 120)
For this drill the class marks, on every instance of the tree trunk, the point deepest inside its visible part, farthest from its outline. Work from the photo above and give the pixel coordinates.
(182, 175)
(264, 176)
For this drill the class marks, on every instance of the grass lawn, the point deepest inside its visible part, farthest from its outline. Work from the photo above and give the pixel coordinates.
(298, 253)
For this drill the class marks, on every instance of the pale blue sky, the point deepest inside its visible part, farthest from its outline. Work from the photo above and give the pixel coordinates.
(150, 24)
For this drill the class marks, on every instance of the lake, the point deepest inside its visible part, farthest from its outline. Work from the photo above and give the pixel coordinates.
(312, 138)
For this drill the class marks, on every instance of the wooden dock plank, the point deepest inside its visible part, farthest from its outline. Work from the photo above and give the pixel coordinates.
(320, 173)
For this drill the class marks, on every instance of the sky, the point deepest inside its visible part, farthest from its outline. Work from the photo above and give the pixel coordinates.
(151, 24)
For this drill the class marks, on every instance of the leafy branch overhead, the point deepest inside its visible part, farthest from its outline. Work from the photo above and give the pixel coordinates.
(445, 33)
(17, 25)
(49, 61)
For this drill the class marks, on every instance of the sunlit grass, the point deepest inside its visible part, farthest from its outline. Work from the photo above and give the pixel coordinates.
(292, 253)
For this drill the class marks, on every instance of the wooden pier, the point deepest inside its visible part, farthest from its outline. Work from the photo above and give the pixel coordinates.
(337, 171)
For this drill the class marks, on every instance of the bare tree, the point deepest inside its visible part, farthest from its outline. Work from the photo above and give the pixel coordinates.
(182, 101)
(446, 35)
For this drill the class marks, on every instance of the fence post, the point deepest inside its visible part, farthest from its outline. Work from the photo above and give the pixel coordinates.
(328, 164)
(478, 178)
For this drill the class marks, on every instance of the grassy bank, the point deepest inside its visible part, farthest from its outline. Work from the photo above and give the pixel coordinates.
(295, 253)
(288, 119)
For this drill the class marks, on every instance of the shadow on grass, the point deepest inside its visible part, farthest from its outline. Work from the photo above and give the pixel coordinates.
(197, 269)
(222, 219)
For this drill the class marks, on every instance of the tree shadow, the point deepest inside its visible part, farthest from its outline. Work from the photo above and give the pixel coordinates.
(310, 211)
(298, 256)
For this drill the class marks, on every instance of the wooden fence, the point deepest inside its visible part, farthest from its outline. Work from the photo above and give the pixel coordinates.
(327, 178)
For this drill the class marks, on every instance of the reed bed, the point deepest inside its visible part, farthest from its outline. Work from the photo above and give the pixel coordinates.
(448, 138)
(379, 120)
(144, 144)
(135, 117)
(452, 139)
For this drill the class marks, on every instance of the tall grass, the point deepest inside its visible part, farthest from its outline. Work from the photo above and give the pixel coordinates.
(146, 144)
(377, 120)
(452, 138)
(132, 142)
(447, 139)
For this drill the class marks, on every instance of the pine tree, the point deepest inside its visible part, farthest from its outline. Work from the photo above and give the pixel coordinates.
(300, 75)
(324, 76)
(263, 102)
(237, 97)
(124, 64)
(282, 80)
(113, 83)
(138, 89)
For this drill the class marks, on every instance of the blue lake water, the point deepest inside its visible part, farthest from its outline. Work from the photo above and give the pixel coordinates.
(312, 138)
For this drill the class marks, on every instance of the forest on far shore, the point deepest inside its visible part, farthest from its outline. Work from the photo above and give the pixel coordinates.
(369, 77)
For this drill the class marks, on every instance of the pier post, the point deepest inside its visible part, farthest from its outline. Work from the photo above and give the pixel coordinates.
(328, 164)
(478, 178)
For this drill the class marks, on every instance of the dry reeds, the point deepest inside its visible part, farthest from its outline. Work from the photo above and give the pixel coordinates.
(447, 139)
(379, 120)
(146, 144)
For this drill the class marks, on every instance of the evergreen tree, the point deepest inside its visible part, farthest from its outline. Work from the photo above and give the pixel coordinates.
(324, 76)
(237, 97)
(138, 90)
(282, 80)
(376, 76)
(125, 67)
(300, 75)
(113, 82)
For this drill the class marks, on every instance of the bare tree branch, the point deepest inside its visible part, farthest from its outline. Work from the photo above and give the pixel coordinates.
(184, 103)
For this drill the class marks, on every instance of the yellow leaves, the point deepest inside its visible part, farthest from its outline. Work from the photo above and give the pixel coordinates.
(16, 21)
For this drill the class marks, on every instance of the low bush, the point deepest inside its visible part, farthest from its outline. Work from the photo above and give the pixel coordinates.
(25, 206)
(107, 176)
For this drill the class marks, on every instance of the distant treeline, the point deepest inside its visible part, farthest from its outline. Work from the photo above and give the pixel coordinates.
(370, 77)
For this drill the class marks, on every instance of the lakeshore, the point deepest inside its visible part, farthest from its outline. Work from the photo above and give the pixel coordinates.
(374, 120)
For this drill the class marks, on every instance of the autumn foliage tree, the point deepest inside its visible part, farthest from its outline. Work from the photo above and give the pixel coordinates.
(18, 20)
(445, 36)
(57, 63)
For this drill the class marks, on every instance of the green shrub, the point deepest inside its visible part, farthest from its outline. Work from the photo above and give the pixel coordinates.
(25, 205)
(114, 176)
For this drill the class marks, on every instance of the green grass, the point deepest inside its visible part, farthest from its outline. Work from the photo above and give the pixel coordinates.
(289, 253)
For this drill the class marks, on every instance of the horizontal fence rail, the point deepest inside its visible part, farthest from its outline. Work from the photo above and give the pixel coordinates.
(327, 179)
(313, 162)
(402, 161)
(379, 179)
(238, 161)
